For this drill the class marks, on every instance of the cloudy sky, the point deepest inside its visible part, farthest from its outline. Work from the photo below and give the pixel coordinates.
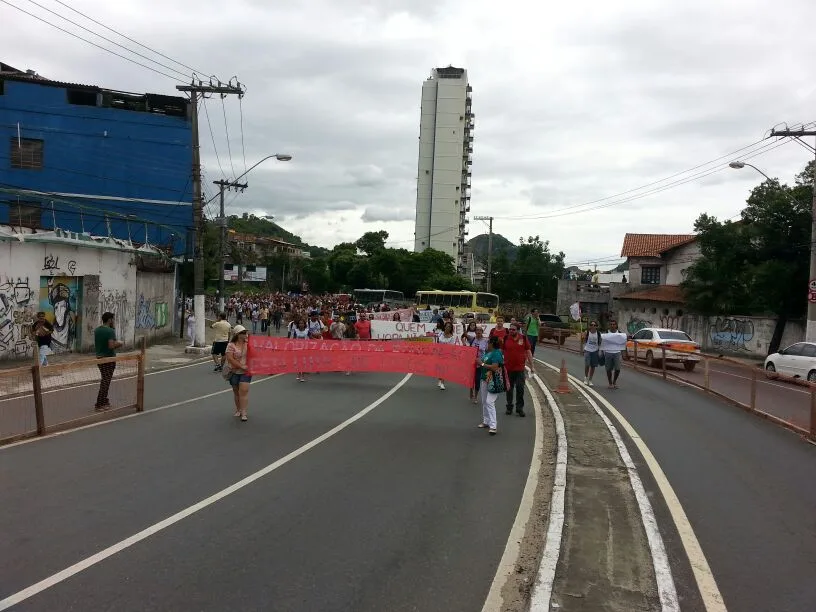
(575, 102)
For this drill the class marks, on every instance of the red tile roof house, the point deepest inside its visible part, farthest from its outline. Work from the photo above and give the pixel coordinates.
(657, 265)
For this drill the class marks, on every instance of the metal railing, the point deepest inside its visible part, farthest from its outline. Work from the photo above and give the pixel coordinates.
(37, 400)
(789, 401)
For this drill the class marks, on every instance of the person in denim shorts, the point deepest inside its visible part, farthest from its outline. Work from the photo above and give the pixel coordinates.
(239, 375)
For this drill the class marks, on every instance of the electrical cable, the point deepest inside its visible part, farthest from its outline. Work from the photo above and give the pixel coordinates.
(226, 128)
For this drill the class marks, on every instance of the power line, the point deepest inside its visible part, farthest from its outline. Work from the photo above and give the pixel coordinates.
(113, 42)
(38, 18)
(226, 128)
(556, 213)
(243, 148)
(695, 177)
(212, 136)
(136, 42)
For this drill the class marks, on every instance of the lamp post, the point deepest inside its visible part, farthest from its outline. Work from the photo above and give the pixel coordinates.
(222, 220)
(810, 330)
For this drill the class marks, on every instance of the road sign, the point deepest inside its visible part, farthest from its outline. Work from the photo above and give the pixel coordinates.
(812, 297)
(812, 285)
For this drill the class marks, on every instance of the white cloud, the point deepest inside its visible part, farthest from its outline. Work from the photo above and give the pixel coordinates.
(572, 106)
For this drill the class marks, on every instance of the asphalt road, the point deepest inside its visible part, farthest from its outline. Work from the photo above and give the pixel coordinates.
(745, 484)
(408, 508)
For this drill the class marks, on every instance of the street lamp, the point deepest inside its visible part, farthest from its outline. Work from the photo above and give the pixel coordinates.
(222, 221)
(739, 165)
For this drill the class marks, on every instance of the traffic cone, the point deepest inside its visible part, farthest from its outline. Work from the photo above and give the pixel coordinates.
(563, 381)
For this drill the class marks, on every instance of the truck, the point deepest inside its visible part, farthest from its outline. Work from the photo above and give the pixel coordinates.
(553, 327)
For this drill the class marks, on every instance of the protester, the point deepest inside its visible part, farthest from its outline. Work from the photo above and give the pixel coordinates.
(316, 326)
(500, 331)
(42, 331)
(363, 328)
(239, 376)
(106, 344)
(301, 332)
(613, 343)
(517, 353)
(492, 383)
(447, 337)
(480, 343)
(531, 324)
(470, 333)
(222, 330)
(191, 326)
(592, 346)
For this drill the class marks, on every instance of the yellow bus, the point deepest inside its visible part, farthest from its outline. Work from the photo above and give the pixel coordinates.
(459, 302)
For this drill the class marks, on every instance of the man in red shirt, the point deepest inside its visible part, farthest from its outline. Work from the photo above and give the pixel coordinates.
(516, 353)
(363, 327)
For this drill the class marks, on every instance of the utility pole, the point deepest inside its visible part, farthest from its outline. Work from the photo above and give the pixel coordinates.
(202, 89)
(810, 330)
(489, 251)
(222, 243)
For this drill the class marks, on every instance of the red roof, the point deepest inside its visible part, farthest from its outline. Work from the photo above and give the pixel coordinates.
(653, 245)
(660, 293)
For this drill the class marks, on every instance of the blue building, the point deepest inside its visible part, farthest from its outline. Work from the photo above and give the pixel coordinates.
(86, 159)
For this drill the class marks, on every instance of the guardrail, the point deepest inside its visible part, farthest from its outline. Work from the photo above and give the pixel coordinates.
(37, 400)
(785, 400)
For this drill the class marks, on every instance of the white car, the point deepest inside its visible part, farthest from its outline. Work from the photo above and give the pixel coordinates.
(798, 361)
(651, 342)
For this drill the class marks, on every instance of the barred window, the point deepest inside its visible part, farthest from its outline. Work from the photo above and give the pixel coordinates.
(26, 153)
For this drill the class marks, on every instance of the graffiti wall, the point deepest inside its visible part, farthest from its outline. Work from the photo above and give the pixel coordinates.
(154, 295)
(744, 336)
(18, 305)
(61, 301)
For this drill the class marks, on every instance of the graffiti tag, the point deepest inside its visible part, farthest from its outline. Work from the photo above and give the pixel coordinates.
(729, 334)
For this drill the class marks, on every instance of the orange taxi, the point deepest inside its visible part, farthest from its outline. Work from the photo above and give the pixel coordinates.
(651, 341)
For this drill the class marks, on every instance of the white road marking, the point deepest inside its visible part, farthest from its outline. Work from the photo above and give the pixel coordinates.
(128, 416)
(198, 362)
(541, 595)
(494, 601)
(703, 576)
(68, 572)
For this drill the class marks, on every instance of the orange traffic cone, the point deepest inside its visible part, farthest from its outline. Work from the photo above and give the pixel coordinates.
(563, 381)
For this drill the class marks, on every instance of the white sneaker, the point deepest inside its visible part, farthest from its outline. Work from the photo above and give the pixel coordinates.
(589, 383)
(441, 386)
(586, 380)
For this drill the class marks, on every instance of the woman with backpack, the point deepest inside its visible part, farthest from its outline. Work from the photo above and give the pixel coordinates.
(592, 347)
(493, 383)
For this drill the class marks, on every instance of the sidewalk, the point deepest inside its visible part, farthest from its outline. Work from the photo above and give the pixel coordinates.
(169, 353)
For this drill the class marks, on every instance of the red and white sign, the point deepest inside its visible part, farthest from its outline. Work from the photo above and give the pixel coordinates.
(267, 355)
(812, 297)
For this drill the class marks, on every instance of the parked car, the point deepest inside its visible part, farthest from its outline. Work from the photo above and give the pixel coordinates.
(798, 361)
(553, 327)
(651, 341)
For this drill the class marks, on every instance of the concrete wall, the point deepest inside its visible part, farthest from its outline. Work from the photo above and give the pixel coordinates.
(731, 335)
(594, 300)
(678, 260)
(73, 285)
(154, 311)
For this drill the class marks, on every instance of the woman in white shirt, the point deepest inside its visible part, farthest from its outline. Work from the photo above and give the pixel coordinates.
(447, 336)
(301, 332)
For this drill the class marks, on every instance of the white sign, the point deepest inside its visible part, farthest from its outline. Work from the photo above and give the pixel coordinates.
(258, 275)
(575, 311)
(425, 315)
(391, 330)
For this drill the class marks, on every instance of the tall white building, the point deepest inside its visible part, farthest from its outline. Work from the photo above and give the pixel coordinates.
(445, 157)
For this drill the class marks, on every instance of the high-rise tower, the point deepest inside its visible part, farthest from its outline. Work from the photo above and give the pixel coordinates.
(445, 157)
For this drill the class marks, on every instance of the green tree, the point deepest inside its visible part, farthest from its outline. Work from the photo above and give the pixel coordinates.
(372, 242)
(759, 264)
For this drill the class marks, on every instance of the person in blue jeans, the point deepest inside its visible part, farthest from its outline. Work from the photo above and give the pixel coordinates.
(239, 376)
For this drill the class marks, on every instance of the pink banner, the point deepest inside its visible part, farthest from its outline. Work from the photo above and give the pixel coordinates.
(269, 355)
(405, 314)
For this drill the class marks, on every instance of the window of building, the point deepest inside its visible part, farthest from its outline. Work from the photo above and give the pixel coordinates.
(650, 275)
(81, 97)
(25, 214)
(26, 153)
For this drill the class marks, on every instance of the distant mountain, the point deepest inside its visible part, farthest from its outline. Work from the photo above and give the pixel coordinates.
(622, 267)
(478, 245)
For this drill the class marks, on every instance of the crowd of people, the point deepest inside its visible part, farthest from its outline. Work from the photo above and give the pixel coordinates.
(503, 356)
